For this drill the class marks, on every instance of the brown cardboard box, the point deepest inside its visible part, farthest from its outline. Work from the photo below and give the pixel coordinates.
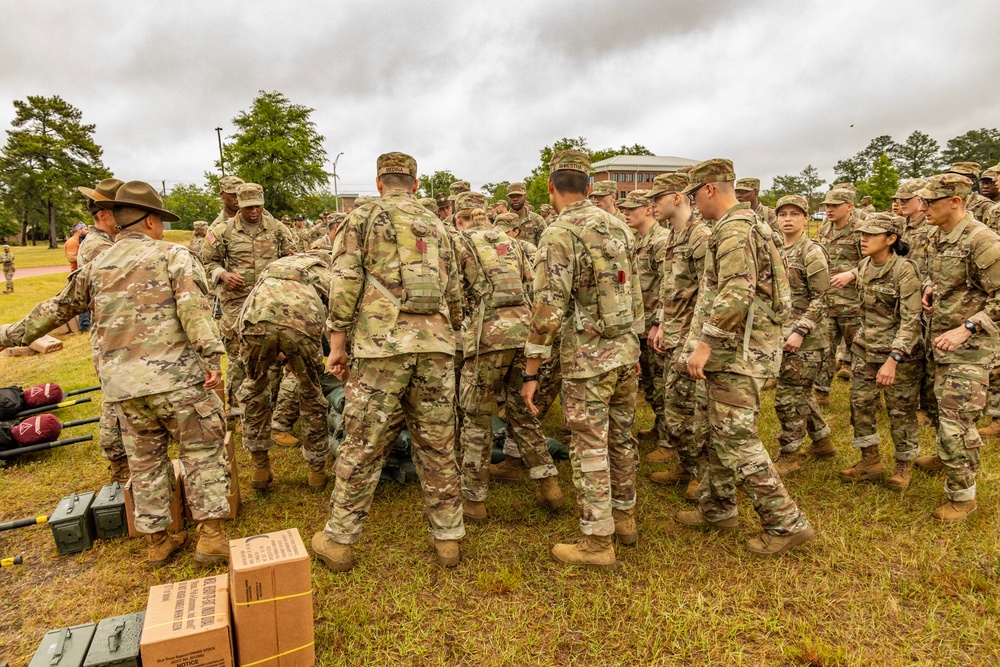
(271, 591)
(176, 507)
(73, 326)
(23, 351)
(234, 483)
(46, 344)
(187, 623)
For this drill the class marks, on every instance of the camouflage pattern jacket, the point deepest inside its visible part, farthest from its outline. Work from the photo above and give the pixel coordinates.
(97, 241)
(843, 248)
(992, 219)
(7, 260)
(737, 271)
(364, 247)
(767, 214)
(891, 310)
(292, 292)
(197, 245)
(650, 251)
(979, 206)
(531, 226)
(302, 237)
(683, 266)
(230, 247)
(152, 326)
(963, 269)
(564, 276)
(917, 234)
(809, 278)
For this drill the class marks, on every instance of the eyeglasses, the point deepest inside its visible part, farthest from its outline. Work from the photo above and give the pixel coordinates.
(931, 201)
(691, 194)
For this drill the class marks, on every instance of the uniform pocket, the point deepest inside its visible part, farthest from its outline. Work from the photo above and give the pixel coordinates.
(594, 460)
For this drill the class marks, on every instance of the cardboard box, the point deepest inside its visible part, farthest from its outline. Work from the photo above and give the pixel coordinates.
(73, 326)
(22, 351)
(187, 623)
(270, 587)
(46, 344)
(176, 507)
(234, 483)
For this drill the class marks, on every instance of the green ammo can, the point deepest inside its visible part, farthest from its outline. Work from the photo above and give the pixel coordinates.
(116, 642)
(66, 647)
(73, 524)
(109, 512)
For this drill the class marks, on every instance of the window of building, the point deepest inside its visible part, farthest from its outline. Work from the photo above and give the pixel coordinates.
(630, 178)
(614, 177)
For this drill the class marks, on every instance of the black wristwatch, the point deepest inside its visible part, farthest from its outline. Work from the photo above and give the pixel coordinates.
(971, 326)
(529, 378)
(799, 332)
(896, 356)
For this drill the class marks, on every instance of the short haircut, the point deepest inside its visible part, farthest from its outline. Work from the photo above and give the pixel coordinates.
(725, 186)
(570, 182)
(127, 215)
(401, 181)
(93, 208)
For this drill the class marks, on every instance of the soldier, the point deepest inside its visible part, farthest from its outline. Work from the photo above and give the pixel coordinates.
(285, 314)
(888, 353)
(531, 223)
(545, 213)
(840, 238)
(684, 405)
(496, 277)
(587, 285)
(396, 287)
(443, 206)
(651, 244)
(502, 207)
(228, 186)
(866, 206)
(72, 246)
(102, 238)
(509, 224)
(286, 220)
(429, 203)
(603, 195)
(748, 190)
(198, 240)
(733, 345)
(300, 233)
(7, 259)
(915, 232)
(960, 293)
(236, 252)
(805, 340)
(975, 203)
(988, 185)
(158, 371)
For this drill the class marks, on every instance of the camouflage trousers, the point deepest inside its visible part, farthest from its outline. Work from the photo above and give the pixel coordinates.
(489, 380)
(549, 384)
(993, 407)
(599, 412)
(9, 277)
(193, 417)
(652, 363)
(842, 330)
(286, 408)
(959, 397)
(795, 401)
(685, 415)
(110, 432)
(737, 458)
(901, 402)
(262, 343)
(235, 373)
(421, 388)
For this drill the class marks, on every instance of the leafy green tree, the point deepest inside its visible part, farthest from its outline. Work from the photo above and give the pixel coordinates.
(605, 153)
(439, 181)
(859, 167)
(496, 191)
(9, 225)
(49, 151)
(881, 185)
(982, 146)
(313, 205)
(806, 184)
(537, 182)
(917, 157)
(192, 202)
(277, 145)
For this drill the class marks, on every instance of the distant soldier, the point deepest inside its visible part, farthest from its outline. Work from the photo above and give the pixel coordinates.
(976, 204)
(198, 240)
(158, 371)
(510, 225)
(443, 206)
(603, 194)
(546, 214)
(866, 206)
(429, 203)
(586, 273)
(300, 233)
(988, 185)
(915, 232)
(502, 207)
(733, 345)
(531, 223)
(7, 259)
(748, 190)
(228, 186)
(961, 294)
(396, 288)
(286, 220)
(72, 246)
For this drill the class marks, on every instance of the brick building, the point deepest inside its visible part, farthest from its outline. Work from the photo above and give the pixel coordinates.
(636, 172)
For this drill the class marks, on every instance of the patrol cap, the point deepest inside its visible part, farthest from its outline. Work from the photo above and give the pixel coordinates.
(666, 183)
(6, 247)
(465, 202)
(603, 189)
(105, 190)
(250, 194)
(396, 163)
(845, 186)
(716, 170)
(908, 189)
(516, 189)
(686, 169)
(544, 208)
(442, 200)
(200, 224)
(989, 174)
(137, 194)
(458, 187)
(429, 203)
(230, 184)
(506, 222)
(748, 184)
(838, 196)
(883, 223)
(944, 185)
(636, 199)
(967, 169)
(798, 201)
(570, 160)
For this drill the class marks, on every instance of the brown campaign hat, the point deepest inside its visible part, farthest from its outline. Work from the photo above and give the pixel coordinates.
(716, 170)
(138, 195)
(105, 190)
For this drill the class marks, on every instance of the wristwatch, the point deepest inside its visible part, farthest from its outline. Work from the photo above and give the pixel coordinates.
(896, 356)
(529, 378)
(799, 332)
(971, 326)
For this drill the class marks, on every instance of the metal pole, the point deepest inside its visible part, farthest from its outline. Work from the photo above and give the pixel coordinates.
(336, 194)
(222, 160)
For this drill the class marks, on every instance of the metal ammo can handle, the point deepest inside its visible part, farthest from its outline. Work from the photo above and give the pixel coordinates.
(115, 640)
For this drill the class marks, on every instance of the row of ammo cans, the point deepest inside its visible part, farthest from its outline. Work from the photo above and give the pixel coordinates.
(114, 642)
(81, 518)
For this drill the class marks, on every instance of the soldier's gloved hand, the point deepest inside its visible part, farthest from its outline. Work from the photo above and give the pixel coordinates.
(232, 280)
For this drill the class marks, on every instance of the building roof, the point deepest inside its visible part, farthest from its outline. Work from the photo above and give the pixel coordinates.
(637, 162)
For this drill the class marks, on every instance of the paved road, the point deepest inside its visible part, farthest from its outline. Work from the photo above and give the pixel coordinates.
(40, 271)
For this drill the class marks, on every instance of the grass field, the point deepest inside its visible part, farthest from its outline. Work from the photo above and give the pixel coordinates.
(883, 584)
(41, 255)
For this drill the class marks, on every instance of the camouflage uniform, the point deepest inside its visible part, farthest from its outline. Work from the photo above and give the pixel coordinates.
(531, 224)
(599, 379)
(245, 250)
(403, 356)
(843, 248)
(153, 371)
(198, 240)
(964, 274)
(286, 313)
(732, 317)
(7, 259)
(301, 236)
(765, 213)
(916, 232)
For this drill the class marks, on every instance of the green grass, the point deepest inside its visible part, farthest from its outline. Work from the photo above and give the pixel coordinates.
(883, 584)
(41, 255)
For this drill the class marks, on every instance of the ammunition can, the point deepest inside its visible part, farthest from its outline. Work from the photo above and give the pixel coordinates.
(116, 642)
(73, 524)
(66, 647)
(109, 512)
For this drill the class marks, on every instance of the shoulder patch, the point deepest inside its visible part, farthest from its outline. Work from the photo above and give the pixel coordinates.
(210, 237)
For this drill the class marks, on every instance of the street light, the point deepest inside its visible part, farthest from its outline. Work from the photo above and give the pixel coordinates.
(222, 161)
(336, 195)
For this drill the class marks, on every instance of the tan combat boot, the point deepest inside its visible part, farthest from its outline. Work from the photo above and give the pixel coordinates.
(900, 479)
(336, 556)
(284, 438)
(474, 510)
(317, 476)
(954, 511)
(213, 547)
(119, 470)
(661, 455)
(448, 552)
(625, 528)
(262, 477)
(695, 519)
(592, 551)
(775, 545)
(822, 398)
(691, 492)
(511, 469)
(789, 462)
(868, 469)
(990, 431)
(929, 463)
(162, 545)
(770, 383)
(676, 475)
(646, 433)
(548, 493)
(845, 372)
(822, 448)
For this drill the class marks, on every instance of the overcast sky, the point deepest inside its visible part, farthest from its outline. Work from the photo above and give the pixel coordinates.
(479, 88)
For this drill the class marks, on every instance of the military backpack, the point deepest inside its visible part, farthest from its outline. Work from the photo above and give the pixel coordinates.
(501, 265)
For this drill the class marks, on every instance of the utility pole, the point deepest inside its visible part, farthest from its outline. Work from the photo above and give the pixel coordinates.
(222, 160)
(336, 194)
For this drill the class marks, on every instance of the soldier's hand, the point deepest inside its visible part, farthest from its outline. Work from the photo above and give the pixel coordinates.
(842, 280)
(793, 343)
(887, 374)
(696, 364)
(952, 339)
(336, 363)
(213, 379)
(528, 394)
(927, 299)
(652, 336)
(657, 341)
(232, 280)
